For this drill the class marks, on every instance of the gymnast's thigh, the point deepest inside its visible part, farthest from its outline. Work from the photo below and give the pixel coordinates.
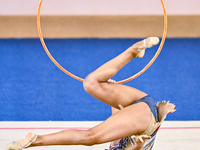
(114, 94)
(129, 121)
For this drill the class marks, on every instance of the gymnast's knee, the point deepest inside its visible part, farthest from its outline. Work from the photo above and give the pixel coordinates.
(90, 138)
(90, 83)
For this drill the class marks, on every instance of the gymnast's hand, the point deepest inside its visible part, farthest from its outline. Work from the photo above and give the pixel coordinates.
(139, 140)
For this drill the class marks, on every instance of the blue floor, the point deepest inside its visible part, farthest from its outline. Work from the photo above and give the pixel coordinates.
(32, 88)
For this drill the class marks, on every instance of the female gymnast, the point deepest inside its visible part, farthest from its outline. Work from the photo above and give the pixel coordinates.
(133, 127)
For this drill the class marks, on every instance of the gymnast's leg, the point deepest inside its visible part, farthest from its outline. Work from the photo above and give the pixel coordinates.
(116, 127)
(96, 83)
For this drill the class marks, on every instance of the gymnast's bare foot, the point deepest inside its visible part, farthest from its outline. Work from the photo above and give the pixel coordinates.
(139, 47)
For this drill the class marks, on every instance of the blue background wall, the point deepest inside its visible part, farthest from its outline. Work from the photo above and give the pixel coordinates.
(32, 88)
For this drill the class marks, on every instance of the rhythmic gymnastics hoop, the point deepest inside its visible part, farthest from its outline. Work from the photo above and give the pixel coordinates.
(119, 82)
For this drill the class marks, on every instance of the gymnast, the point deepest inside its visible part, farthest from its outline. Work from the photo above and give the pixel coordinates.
(136, 117)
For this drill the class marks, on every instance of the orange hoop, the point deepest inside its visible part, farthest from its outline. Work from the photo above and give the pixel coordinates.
(122, 81)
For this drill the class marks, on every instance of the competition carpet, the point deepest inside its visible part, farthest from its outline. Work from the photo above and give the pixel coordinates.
(34, 89)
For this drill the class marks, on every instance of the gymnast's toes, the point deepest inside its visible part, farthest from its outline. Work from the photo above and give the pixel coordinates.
(13, 146)
(153, 41)
(147, 43)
